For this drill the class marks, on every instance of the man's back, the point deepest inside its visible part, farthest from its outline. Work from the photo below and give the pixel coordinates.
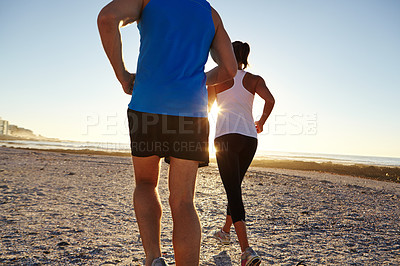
(175, 41)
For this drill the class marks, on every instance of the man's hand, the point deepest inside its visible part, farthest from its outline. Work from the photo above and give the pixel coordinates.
(127, 81)
(112, 17)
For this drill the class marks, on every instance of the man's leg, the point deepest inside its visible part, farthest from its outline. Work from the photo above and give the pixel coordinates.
(187, 231)
(147, 204)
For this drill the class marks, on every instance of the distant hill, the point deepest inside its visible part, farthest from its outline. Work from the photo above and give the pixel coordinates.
(13, 132)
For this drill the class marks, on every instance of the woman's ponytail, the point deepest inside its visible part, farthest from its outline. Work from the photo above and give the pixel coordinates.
(242, 51)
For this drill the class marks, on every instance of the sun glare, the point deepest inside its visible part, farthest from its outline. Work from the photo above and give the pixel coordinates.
(212, 118)
(213, 114)
(214, 111)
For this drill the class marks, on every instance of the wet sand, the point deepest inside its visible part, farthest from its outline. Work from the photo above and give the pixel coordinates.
(76, 209)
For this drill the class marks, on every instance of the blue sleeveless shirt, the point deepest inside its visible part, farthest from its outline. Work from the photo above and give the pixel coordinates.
(175, 39)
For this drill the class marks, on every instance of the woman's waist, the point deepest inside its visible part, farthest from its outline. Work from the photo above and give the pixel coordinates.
(236, 124)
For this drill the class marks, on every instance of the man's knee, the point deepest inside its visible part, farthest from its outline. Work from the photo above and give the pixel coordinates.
(180, 202)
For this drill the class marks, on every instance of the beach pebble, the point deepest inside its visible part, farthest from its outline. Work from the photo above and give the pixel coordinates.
(63, 244)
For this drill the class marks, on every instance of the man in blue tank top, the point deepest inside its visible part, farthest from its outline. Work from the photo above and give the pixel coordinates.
(167, 113)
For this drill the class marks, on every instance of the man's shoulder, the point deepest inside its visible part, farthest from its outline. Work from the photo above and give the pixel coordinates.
(216, 18)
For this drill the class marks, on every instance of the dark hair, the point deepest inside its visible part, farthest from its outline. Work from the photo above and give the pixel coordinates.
(242, 50)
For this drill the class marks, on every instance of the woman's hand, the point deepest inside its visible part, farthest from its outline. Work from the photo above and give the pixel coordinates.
(259, 126)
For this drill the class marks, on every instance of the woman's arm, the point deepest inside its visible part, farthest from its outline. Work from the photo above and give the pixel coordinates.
(263, 91)
(222, 53)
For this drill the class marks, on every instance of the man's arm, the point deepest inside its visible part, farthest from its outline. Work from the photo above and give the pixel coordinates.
(117, 14)
(222, 53)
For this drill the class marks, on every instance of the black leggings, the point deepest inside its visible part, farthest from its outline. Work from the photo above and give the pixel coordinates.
(234, 155)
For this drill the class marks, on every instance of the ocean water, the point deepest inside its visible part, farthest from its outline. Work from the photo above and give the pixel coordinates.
(67, 145)
(124, 147)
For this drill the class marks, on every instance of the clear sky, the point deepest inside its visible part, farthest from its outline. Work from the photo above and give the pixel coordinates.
(332, 65)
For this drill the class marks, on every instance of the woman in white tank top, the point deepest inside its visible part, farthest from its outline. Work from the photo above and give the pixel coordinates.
(236, 142)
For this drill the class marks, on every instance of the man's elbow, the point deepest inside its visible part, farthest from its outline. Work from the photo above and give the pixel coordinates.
(105, 17)
(231, 71)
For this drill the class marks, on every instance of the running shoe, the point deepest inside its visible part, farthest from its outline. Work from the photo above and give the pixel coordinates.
(159, 262)
(223, 237)
(250, 258)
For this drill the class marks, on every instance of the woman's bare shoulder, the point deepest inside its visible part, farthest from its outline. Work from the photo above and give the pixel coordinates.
(253, 77)
(250, 81)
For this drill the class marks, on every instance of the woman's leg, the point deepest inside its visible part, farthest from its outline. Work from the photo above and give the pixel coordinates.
(229, 168)
(240, 229)
(228, 223)
(246, 156)
(233, 163)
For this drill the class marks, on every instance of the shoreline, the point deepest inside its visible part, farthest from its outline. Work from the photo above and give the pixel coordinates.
(375, 172)
(28, 138)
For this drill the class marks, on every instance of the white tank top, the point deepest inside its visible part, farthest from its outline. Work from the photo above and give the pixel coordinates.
(235, 109)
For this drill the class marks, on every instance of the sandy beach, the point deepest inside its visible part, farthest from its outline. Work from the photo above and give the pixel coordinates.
(76, 209)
